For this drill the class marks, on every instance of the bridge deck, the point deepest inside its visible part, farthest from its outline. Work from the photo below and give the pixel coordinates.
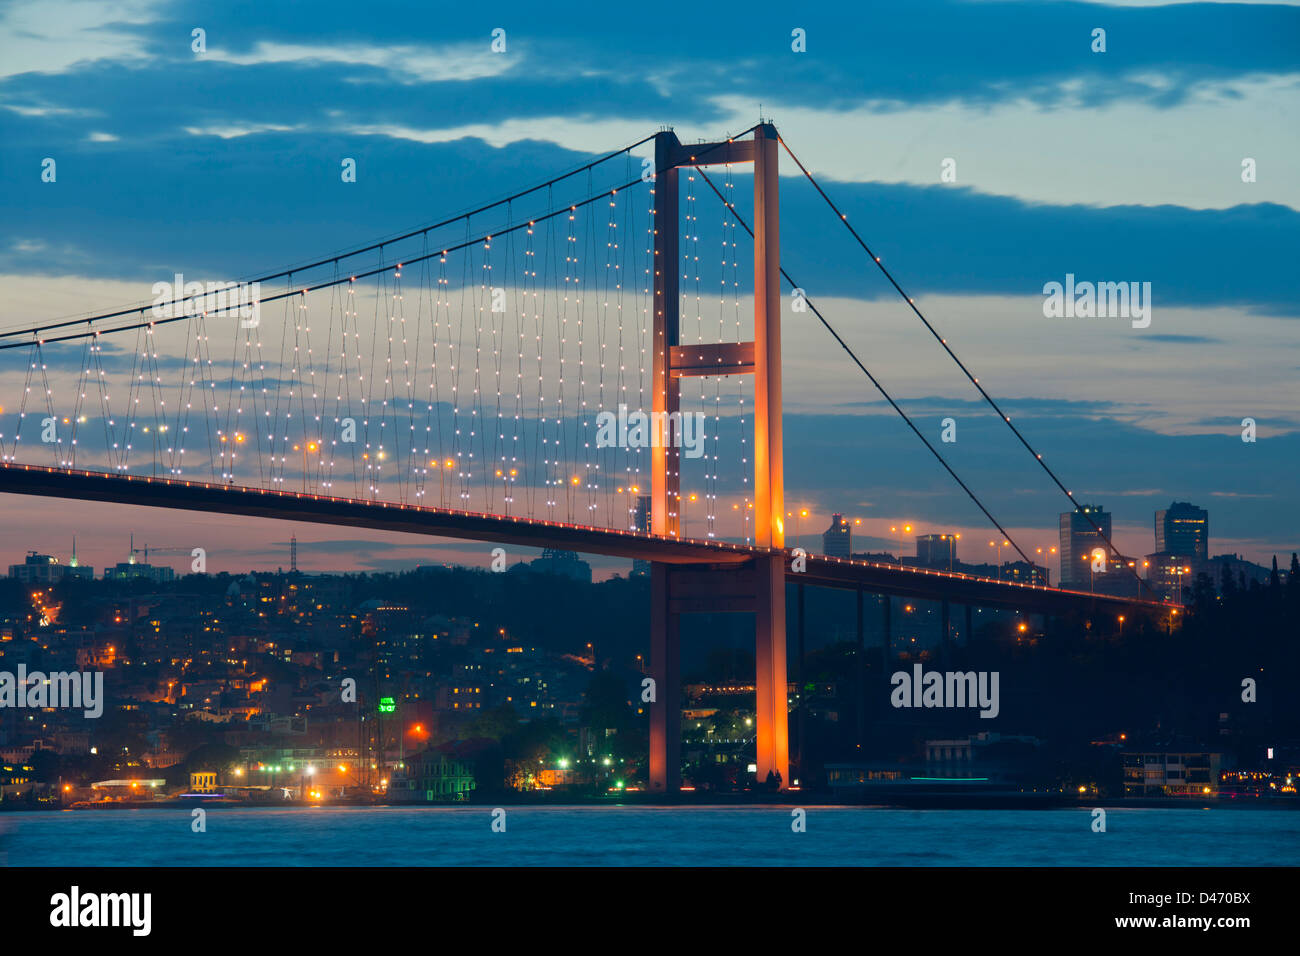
(880, 578)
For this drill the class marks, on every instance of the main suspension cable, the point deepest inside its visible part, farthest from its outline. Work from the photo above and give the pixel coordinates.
(844, 219)
(880, 388)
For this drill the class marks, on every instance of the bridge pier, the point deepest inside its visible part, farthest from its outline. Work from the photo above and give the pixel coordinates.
(946, 614)
(757, 587)
(770, 687)
(887, 641)
(801, 727)
(666, 670)
(862, 675)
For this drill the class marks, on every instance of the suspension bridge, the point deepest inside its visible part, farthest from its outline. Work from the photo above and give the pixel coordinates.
(451, 380)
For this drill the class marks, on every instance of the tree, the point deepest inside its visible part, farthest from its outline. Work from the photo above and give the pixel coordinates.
(495, 722)
(45, 766)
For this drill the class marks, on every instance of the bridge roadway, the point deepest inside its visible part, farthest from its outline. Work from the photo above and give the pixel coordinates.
(869, 576)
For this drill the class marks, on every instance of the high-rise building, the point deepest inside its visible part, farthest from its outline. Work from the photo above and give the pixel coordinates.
(1184, 529)
(1078, 541)
(936, 550)
(641, 522)
(836, 540)
(641, 516)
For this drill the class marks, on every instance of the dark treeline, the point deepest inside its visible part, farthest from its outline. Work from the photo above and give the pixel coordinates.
(1089, 687)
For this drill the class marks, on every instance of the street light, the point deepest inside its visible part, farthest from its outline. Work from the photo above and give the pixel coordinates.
(952, 546)
(999, 547)
(1092, 566)
(311, 445)
(902, 542)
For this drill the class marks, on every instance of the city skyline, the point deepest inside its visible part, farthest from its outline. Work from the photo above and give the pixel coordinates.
(1198, 557)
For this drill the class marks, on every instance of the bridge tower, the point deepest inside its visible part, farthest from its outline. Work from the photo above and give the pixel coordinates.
(758, 588)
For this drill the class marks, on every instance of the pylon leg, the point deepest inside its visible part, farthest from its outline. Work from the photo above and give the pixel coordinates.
(771, 689)
(665, 668)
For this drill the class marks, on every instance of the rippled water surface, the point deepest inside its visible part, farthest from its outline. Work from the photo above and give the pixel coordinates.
(632, 836)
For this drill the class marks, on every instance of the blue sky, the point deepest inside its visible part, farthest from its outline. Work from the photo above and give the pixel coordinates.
(1117, 166)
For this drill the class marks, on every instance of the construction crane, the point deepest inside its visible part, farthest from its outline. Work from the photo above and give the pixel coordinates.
(146, 549)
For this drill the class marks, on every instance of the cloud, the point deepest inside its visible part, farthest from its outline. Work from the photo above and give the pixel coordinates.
(53, 36)
(407, 63)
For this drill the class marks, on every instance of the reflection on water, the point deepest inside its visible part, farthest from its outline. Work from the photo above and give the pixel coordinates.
(639, 836)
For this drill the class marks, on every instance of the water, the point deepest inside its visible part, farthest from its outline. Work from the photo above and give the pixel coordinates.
(633, 836)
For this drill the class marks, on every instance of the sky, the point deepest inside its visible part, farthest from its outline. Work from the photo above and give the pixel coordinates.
(1122, 165)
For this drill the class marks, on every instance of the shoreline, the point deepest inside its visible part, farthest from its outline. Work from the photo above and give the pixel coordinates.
(992, 802)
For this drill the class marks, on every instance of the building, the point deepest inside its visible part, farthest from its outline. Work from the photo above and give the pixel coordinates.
(135, 571)
(1079, 538)
(1235, 565)
(836, 539)
(1184, 529)
(989, 755)
(46, 569)
(1124, 577)
(641, 522)
(937, 551)
(641, 514)
(565, 563)
(1169, 574)
(1171, 774)
(433, 776)
(1024, 572)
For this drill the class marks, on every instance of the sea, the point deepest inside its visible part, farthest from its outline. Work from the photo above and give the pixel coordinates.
(612, 836)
